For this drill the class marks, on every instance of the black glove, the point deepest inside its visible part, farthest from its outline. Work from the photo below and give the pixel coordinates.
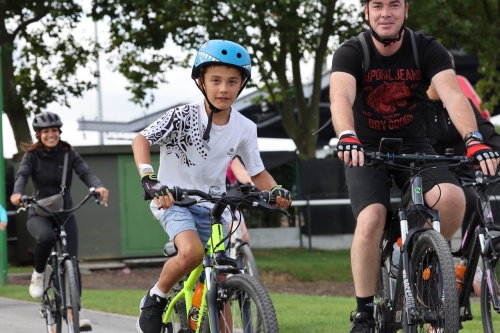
(153, 187)
(349, 142)
(277, 190)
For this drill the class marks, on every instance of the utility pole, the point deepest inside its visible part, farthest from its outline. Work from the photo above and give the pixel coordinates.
(3, 234)
(99, 94)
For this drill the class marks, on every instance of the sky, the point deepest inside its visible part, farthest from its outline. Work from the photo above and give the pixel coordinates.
(116, 105)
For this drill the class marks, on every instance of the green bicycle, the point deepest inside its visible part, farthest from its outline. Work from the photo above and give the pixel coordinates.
(238, 303)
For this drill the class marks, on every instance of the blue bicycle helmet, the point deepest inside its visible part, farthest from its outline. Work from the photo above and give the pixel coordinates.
(220, 51)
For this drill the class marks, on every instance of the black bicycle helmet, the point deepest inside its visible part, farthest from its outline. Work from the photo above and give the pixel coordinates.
(46, 120)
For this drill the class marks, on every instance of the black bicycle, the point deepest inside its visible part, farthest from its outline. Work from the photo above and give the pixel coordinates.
(481, 240)
(61, 297)
(417, 291)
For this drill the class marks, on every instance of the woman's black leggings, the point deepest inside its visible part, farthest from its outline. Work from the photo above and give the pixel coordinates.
(41, 228)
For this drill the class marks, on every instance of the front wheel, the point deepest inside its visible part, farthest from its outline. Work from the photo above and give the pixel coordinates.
(72, 297)
(51, 301)
(246, 307)
(433, 285)
(491, 319)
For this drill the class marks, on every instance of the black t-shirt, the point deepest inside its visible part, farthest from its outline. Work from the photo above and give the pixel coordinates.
(390, 98)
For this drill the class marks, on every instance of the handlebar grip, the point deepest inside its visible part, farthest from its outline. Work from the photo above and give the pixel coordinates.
(24, 199)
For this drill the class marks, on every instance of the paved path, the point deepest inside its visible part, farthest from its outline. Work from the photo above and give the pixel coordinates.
(22, 317)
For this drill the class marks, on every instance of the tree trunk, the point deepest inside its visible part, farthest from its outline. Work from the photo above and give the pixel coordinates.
(13, 106)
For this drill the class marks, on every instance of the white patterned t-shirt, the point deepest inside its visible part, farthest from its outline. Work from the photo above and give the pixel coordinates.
(188, 161)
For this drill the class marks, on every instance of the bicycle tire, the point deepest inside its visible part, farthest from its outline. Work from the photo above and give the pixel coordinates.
(246, 296)
(487, 310)
(72, 297)
(433, 283)
(50, 301)
(382, 296)
(178, 318)
(245, 252)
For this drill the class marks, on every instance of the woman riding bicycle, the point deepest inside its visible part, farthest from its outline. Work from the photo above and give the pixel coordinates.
(43, 161)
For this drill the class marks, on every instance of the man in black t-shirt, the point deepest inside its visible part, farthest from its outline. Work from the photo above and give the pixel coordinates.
(387, 100)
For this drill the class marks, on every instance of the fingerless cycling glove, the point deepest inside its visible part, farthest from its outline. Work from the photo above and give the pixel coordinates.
(277, 190)
(153, 187)
(480, 151)
(349, 142)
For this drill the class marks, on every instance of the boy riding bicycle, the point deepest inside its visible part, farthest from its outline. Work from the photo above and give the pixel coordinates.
(386, 99)
(198, 141)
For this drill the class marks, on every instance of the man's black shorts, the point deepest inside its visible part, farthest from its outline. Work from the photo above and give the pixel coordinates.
(368, 185)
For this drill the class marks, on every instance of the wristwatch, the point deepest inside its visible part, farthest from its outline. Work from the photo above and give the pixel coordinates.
(474, 135)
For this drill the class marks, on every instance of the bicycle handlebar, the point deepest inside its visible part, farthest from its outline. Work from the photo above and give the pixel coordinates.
(29, 201)
(255, 200)
(418, 158)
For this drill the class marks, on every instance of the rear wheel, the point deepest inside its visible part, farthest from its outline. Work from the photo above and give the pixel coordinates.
(50, 301)
(381, 299)
(433, 285)
(72, 297)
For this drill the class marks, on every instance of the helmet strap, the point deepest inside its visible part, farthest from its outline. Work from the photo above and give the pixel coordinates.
(388, 42)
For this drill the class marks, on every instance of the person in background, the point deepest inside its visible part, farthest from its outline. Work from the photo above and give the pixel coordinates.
(237, 175)
(444, 134)
(3, 218)
(43, 163)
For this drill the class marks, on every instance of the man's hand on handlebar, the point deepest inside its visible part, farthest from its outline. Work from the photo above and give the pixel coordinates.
(487, 158)
(350, 150)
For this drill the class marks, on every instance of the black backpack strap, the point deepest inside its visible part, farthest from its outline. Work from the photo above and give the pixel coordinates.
(413, 46)
(366, 53)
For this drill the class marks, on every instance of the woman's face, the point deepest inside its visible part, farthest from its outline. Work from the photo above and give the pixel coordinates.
(50, 136)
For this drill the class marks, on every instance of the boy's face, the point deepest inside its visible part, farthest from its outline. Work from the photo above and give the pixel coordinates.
(222, 84)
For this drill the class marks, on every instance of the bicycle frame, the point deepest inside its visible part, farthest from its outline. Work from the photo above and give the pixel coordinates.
(414, 206)
(215, 246)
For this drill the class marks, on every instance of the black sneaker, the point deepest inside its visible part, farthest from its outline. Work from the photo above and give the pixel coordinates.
(150, 319)
(362, 322)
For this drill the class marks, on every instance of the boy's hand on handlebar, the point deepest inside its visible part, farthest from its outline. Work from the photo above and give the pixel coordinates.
(159, 192)
(487, 158)
(283, 196)
(350, 150)
(16, 199)
(103, 194)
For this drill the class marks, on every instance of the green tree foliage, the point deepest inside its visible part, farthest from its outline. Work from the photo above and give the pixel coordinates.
(40, 58)
(281, 35)
(471, 24)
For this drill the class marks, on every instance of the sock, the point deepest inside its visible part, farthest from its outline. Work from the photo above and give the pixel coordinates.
(365, 304)
(156, 291)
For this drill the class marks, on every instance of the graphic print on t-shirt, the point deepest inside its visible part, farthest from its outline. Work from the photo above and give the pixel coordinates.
(385, 98)
(390, 98)
(178, 131)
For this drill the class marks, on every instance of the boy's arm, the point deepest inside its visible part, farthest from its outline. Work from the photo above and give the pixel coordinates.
(142, 156)
(264, 181)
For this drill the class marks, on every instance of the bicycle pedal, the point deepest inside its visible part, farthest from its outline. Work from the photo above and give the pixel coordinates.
(85, 329)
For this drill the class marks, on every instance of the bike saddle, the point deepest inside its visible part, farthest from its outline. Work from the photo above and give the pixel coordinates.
(169, 249)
